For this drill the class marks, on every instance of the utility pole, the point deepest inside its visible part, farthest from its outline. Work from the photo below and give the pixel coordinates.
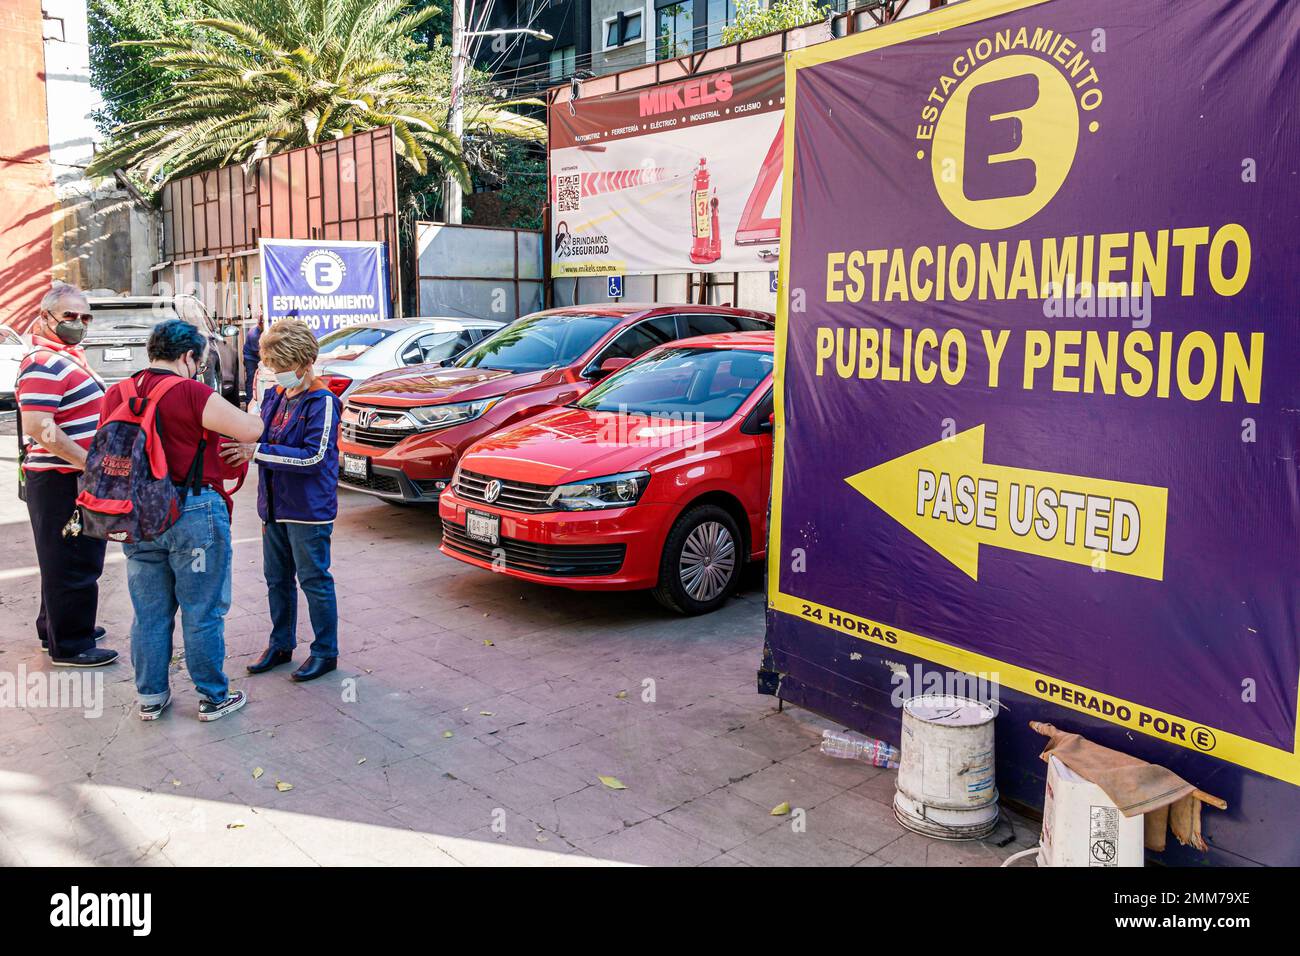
(451, 210)
(451, 206)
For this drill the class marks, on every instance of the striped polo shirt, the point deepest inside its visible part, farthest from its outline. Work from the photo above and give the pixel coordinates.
(54, 378)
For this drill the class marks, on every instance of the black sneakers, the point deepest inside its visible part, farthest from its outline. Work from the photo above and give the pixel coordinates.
(154, 711)
(98, 636)
(211, 710)
(95, 657)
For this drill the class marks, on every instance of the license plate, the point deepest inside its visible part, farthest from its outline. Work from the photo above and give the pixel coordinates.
(117, 355)
(483, 527)
(357, 465)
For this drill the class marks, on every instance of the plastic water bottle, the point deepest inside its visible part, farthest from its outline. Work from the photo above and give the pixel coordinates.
(850, 746)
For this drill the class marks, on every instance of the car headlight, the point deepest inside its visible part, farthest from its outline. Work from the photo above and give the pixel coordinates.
(440, 416)
(611, 491)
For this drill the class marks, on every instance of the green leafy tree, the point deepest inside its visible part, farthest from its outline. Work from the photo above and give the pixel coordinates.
(754, 18)
(122, 75)
(249, 78)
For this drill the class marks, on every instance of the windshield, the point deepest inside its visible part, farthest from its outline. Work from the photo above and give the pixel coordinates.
(356, 339)
(705, 384)
(544, 341)
(137, 318)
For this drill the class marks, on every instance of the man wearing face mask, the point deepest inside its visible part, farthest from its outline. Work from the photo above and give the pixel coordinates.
(59, 401)
(297, 498)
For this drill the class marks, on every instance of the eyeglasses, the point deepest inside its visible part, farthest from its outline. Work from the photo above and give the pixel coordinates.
(74, 316)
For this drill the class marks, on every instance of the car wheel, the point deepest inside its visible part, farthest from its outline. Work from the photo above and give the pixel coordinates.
(701, 561)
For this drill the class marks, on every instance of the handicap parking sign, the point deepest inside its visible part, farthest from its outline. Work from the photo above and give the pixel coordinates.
(771, 282)
(616, 287)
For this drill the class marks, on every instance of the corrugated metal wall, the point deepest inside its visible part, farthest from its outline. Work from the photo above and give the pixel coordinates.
(344, 189)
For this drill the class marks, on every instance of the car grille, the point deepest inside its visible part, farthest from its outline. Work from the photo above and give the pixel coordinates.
(369, 435)
(382, 484)
(557, 560)
(514, 496)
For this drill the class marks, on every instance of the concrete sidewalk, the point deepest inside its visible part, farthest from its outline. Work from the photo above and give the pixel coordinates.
(469, 723)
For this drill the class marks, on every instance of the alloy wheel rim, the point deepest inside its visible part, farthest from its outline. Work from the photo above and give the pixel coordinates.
(707, 561)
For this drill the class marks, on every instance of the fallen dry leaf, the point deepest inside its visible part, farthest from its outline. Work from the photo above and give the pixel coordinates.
(283, 787)
(237, 825)
(360, 761)
(488, 644)
(486, 713)
(621, 695)
(447, 733)
(176, 783)
(612, 782)
(257, 773)
(781, 809)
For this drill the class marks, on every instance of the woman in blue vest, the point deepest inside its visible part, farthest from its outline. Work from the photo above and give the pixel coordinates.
(297, 498)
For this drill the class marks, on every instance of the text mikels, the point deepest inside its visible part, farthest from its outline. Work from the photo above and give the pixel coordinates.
(77, 909)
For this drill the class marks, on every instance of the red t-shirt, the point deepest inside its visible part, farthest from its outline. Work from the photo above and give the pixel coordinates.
(180, 424)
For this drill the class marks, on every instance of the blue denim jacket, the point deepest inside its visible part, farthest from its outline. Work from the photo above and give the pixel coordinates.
(298, 457)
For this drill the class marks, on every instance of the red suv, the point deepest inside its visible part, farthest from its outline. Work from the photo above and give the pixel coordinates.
(403, 431)
(656, 478)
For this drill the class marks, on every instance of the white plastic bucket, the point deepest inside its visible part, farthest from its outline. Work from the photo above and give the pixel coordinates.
(1082, 827)
(946, 784)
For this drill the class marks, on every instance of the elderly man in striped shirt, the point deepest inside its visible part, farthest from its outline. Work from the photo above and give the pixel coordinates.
(59, 399)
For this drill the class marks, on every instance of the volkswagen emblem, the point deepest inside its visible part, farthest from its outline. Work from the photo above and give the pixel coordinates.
(492, 491)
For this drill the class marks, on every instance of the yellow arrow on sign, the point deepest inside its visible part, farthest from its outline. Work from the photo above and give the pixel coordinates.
(947, 496)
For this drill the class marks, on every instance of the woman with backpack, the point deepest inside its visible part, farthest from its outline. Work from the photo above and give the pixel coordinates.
(188, 565)
(297, 498)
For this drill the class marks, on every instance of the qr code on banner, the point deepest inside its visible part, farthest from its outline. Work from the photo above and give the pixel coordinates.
(570, 192)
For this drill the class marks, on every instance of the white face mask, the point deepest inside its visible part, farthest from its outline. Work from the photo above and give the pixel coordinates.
(288, 380)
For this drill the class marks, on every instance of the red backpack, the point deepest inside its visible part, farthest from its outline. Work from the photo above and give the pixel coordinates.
(125, 491)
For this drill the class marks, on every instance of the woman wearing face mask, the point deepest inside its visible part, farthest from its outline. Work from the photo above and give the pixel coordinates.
(297, 498)
(59, 399)
(188, 565)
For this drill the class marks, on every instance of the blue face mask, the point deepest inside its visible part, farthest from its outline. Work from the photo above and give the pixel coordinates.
(288, 380)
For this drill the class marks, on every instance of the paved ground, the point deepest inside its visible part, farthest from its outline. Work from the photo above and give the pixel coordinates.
(469, 723)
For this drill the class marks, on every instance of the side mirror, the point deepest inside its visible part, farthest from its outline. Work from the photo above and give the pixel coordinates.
(769, 425)
(607, 367)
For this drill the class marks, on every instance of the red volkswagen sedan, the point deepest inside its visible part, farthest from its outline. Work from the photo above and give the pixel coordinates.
(403, 431)
(658, 477)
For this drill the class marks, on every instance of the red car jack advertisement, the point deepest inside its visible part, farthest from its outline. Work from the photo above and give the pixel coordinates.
(670, 178)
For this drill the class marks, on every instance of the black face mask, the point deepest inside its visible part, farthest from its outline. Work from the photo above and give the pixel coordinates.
(70, 332)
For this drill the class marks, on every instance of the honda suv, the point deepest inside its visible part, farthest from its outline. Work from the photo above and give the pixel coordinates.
(404, 431)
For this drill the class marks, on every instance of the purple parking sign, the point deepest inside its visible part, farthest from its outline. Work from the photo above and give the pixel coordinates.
(1039, 361)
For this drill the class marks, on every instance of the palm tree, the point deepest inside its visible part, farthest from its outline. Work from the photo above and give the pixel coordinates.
(264, 76)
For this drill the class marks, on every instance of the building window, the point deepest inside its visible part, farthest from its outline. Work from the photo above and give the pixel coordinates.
(563, 62)
(623, 29)
(722, 13)
(672, 29)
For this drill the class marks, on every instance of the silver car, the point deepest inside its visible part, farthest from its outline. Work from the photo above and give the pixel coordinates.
(116, 337)
(350, 355)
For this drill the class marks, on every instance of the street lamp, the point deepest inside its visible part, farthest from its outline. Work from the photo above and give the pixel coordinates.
(452, 203)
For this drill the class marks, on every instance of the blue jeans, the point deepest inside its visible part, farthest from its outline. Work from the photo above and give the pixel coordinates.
(187, 567)
(304, 550)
